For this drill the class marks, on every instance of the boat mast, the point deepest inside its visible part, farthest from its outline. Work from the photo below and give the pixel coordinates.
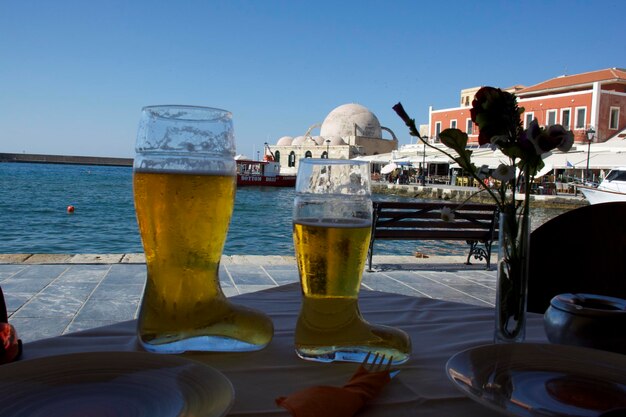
(267, 147)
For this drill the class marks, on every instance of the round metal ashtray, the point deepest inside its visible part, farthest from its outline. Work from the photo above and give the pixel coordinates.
(589, 320)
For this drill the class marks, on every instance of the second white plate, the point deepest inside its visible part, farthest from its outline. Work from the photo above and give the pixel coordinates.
(541, 379)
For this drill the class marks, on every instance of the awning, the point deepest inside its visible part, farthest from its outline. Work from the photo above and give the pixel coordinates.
(578, 160)
(402, 162)
(547, 168)
(375, 159)
(485, 156)
(430, 159)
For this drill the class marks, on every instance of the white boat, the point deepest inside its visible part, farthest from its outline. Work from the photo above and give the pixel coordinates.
(612, 188)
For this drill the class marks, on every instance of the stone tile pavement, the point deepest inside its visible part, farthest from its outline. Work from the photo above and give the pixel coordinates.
(50, 295)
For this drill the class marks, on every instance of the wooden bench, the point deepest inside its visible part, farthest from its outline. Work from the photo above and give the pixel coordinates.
(474, 223)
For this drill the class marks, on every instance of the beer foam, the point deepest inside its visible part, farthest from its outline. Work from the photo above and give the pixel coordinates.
(185, 165)
(184, 172)
(336, 223)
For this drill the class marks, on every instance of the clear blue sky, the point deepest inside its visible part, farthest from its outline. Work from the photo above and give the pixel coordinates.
(74, 75)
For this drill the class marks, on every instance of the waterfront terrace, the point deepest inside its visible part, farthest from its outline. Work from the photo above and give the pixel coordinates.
(52, 295)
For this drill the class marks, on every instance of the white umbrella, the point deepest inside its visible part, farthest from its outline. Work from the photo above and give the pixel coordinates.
(388, 168)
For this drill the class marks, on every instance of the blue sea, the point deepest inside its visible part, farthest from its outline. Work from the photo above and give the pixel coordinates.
(34, 219)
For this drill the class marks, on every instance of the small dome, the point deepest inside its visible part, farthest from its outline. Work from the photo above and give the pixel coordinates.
(319, 140)
(309, 141)
(285, 141)
(348, 118)
(336, 141)
(298, 140)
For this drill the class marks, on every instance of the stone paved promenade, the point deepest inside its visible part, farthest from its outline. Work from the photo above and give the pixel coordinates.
(50, 295)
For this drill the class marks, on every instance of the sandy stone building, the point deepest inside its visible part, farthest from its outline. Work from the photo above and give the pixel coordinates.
(349, 131)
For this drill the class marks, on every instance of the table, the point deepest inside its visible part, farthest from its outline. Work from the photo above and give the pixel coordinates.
(438, 330)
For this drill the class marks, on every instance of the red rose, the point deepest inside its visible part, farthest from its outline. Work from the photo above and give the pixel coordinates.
(496, 113)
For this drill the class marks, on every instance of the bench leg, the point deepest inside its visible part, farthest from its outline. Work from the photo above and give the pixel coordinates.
(479, 252)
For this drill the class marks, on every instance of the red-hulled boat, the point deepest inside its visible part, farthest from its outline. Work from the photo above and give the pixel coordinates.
(264, 173)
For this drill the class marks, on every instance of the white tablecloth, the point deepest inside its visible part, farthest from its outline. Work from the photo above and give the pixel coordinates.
(438, 330)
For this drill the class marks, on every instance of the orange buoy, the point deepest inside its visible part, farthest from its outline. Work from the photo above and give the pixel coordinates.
(70, 209)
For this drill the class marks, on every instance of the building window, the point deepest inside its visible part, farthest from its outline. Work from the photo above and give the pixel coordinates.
(565, 118)
(437, 130)
(308, 154)
(614, 118)
(292, 159)
(528, 119)
(551, 117)
(581, 115)
(469, 127)
(277, 156)
(453, 124)
(324, 155)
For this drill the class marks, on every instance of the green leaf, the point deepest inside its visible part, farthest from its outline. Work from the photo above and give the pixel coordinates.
(454, 139)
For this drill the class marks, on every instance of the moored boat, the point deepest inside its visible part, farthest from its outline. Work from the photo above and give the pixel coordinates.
(612, 188)
(264, 173)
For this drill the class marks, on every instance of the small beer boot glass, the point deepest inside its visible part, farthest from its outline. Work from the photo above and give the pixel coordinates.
(332, 221)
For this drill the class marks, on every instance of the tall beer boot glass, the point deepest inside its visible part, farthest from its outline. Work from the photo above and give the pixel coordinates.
(332, 221)
(184, 185)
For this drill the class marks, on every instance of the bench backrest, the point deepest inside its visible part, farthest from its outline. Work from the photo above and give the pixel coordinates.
(422, 220)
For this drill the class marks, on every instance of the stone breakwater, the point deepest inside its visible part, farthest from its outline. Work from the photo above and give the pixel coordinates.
(65, 159)
(461, 194)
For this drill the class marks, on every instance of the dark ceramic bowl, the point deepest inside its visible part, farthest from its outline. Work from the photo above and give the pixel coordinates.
(588, 320)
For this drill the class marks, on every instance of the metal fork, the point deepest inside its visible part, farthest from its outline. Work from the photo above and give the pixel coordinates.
(378, 364)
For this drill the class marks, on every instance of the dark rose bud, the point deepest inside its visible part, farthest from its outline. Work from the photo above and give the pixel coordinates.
(407, 120)
(402, 113)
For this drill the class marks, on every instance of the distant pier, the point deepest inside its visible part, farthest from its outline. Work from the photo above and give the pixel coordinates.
(65, 159)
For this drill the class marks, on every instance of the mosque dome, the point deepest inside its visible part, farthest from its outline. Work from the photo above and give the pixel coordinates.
(309, 141)
(298, 140)
(342, 120)
(336, 141)
(319, 140)
(284, 141)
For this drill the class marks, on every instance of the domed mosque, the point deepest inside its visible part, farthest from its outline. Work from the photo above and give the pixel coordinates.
(349, 131)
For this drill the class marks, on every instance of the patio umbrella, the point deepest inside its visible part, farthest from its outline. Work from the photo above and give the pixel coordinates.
(388, 168)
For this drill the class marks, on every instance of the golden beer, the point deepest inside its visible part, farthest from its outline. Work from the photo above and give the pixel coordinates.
(183, 220)
(331, 256)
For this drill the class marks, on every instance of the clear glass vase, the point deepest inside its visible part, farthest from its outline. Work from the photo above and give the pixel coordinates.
(512, 281)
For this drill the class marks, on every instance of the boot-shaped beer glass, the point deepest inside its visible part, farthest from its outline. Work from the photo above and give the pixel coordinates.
(332, 221)
(184, 181)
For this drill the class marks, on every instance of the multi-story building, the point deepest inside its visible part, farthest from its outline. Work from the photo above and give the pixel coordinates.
(594, 99)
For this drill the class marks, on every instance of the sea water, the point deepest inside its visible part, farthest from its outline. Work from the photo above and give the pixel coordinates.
(33, 215)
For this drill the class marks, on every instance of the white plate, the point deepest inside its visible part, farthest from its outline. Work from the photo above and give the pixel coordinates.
(540, 379)
(128, 384)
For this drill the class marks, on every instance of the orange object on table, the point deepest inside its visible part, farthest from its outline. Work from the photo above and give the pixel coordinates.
(330, 401)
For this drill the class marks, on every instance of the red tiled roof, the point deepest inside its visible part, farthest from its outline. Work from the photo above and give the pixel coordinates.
(586, 78)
